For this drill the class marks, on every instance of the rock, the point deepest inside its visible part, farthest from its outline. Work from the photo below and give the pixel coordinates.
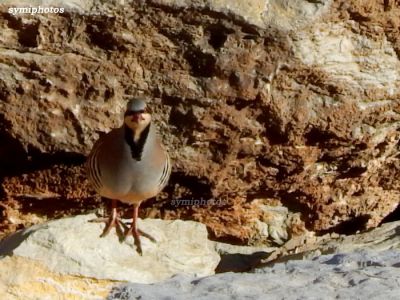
(380, 239)
(236, 258)
(261, 13)
(67, 256)
(362, 275)
(24, 278)
(291, 102)
(346, 55)
(360, 266)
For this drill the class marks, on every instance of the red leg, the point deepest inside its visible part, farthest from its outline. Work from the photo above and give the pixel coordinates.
(112, 221)
(136, 232)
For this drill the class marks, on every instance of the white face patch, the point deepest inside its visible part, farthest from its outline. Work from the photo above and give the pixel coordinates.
(137, 124)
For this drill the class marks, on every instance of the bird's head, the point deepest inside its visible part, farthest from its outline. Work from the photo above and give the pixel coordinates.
(137, 115)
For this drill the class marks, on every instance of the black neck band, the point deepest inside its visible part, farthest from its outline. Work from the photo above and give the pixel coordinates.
(136, 147)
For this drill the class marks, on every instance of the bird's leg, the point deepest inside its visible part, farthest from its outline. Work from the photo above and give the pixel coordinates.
(136, 232)
(112, 221)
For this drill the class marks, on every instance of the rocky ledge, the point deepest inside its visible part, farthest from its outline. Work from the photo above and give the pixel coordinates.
(67, 255)
(359, 275)
(66, 258)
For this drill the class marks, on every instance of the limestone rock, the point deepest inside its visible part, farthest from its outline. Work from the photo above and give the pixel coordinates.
(356, 266)
(282, 14)
(24, 278)
(380, 239)
(385, 237)
(357, 275)
(350, 57)
(72, 248)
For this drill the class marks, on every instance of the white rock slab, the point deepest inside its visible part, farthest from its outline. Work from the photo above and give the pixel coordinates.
(283, 14)
(73, 246)
(349, 56)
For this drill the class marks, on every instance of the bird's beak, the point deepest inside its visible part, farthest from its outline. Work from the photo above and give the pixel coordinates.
(136, 117)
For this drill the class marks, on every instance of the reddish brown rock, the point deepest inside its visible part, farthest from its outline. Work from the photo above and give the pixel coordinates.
(302, 113)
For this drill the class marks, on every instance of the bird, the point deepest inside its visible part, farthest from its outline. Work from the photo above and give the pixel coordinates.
(131, 165)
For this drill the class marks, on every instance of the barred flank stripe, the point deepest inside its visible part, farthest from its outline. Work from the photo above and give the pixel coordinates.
(94, 169)
(165, 173)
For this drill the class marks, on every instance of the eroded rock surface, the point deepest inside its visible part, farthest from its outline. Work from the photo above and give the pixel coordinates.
(362, 274)
(308, 245)
(362, 266)
(287, 104)
(72, 246)
(66, 258)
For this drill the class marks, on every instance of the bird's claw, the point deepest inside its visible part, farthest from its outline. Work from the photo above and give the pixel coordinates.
(136, 233)
(110, 223)
(142, 233)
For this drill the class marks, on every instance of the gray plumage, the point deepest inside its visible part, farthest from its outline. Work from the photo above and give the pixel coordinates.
(115, 174)
(136, 105)
(129, 164)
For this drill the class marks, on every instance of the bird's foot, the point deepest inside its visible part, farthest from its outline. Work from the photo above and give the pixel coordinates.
(146, 235)
(110, 223)
(136, 233)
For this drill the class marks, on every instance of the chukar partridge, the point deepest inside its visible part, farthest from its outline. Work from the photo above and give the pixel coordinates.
(129, 164)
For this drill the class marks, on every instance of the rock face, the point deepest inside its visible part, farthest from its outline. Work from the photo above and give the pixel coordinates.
(362, 275)
(23, 278)
(360, 266)
(69, 253)
(265, 103)
(66, 258)
(73, 246)
(380, 239)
